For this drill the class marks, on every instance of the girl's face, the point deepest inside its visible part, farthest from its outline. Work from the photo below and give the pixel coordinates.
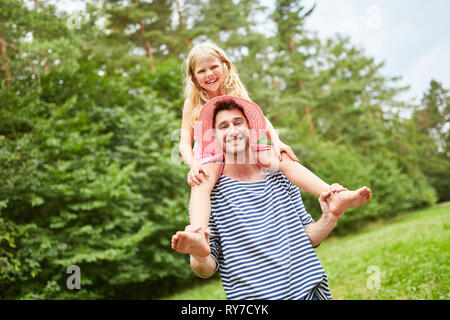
(209, 74)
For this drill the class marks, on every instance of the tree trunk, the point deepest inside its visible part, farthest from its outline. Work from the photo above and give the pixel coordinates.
(45, 63)
(308, 116)
(291, 47)
(5, 65)
(44, 52)
(300, 85)
(147, 45)
(182, 22)
(274, 81)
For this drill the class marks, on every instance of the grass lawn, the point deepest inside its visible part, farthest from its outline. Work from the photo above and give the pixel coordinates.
(407, 257)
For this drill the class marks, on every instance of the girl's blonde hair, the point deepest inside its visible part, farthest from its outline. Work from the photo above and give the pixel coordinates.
(231, 86)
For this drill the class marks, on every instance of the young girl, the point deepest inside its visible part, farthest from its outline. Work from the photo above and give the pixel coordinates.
(209, 73)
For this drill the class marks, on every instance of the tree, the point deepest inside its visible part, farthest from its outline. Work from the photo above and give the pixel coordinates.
(431, 122)
(87, 174)
(142, 26)
(433, 116)
(292, 45)
(12, 30)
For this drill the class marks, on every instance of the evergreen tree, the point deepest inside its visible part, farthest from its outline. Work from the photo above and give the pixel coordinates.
(87, 175)
(433, 116)
(14, 19)
(140, 26)
(431, 121)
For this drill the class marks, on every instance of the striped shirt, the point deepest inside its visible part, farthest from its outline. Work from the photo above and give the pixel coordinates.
(259, 241)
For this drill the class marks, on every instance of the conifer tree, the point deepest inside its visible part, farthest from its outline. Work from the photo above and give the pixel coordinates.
(140, 26)
(292, 52)
(432, 144)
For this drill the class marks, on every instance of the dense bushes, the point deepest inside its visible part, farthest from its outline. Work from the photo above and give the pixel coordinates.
(393, 189)
(89, 181)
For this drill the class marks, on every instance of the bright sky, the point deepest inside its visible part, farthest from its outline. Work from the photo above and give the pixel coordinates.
(411, 36)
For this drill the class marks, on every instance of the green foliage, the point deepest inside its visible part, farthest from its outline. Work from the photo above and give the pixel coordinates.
(88, 179)
(90, 118)
(431, 122)
(91, 184)
(392, 189)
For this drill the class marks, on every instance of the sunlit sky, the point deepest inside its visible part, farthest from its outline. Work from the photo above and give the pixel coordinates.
(412, 37)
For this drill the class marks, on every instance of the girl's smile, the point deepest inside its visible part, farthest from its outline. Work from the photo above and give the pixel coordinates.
(209, 74)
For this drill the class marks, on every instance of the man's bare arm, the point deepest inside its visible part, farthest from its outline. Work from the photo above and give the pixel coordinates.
(319, 230)
(204, 267)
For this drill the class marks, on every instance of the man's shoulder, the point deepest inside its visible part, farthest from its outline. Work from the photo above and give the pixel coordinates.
(279, 177)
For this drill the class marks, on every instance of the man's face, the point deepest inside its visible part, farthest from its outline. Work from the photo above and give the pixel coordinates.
(232, 133)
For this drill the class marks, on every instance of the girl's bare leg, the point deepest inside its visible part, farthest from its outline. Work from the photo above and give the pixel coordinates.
(341, 201)
(195, 239)
(308, 181)
(200, 202)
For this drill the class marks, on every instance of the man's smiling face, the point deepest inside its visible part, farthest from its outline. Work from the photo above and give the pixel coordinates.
(232, 133)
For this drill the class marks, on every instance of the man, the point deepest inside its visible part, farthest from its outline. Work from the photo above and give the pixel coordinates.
(260, 235)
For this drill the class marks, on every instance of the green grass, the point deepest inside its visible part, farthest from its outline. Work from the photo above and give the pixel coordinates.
(410, 255)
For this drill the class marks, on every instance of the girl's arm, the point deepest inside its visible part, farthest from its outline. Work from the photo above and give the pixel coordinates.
(271, 133)
(302, 177)
(294, 171)
(276, 142)
(186, 138)
(187, 133)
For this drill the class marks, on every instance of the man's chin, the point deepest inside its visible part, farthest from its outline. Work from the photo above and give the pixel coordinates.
(238, 154)
(235, 151)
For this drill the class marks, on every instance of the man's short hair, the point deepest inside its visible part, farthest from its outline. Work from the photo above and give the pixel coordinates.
(227, 105)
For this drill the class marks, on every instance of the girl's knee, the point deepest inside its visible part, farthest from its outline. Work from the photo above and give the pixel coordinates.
(214, 170)
(268, 159)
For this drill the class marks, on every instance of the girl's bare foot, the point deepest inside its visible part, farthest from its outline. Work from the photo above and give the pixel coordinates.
(193, 243)
(341, 201)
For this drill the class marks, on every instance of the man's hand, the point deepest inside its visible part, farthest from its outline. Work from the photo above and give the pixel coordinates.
(319, 230)
(327, 213)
